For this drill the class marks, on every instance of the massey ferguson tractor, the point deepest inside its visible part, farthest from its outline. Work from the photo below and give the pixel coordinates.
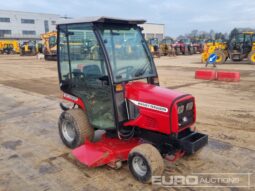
(119, 112)
(184, 46)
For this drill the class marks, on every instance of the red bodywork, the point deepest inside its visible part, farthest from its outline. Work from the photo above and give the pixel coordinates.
(158, 112)
(163, 122)
(105, 151)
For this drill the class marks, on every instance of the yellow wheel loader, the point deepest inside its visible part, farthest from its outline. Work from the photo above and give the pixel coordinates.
(28, 48)
(153, 44)
(240, 46)
(9, 47)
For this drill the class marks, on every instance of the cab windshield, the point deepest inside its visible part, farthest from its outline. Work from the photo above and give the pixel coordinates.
(128, 53)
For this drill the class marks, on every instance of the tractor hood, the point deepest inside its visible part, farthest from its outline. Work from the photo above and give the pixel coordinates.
(147, 95)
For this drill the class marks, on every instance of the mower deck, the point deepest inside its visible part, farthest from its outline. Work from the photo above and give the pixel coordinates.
(106, 150)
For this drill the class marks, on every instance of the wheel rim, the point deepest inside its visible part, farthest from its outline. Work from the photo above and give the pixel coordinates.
(68, 131)
(253, 57)
(219, 58)
(139, 166)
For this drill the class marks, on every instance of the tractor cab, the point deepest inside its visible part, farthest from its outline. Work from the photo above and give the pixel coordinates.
(240, 45)
(107, 71)
(96, 62)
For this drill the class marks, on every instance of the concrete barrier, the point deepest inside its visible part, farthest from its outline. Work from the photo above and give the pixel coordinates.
(206, 74)
(228, 76)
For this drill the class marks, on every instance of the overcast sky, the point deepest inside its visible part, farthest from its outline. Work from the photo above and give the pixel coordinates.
(179, 16)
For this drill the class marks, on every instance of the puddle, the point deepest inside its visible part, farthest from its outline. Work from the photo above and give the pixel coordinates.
(48, 168)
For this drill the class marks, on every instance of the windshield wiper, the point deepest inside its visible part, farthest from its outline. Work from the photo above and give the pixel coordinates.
(142, 70)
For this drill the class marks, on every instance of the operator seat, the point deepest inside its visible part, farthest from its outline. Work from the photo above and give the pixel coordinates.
(92, 71)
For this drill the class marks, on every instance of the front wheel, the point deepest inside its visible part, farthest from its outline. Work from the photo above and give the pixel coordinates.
(251, 57)
(145, 161)
(74, 128)
(221, 57)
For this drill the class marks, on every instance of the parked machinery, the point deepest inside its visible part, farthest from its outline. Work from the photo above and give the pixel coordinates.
(153, 44)
(50, 45)
(166, 47)
(239, 47)
(184, 46)
(28, 48)
(9, 47)
(197, 46)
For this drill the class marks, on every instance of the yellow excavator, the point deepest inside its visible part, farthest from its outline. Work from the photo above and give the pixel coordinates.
(50, 45)
(239, 47)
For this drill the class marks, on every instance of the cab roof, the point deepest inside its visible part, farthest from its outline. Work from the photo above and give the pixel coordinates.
(101, 19)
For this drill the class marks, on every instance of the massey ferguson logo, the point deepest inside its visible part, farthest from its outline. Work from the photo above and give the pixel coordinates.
(68, 96)
(149, 106)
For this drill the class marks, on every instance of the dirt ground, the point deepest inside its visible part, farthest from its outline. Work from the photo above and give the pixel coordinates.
(32, 156)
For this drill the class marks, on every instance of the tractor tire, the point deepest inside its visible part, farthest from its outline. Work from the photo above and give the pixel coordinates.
(186, 50)
(178, 51)
(195, 50)
(192, 50)
(221, 57)
(145, 161)
(74, 128)
(251, 57)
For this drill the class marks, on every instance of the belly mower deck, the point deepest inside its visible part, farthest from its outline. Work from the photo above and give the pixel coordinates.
(105, 151)
(111, 150)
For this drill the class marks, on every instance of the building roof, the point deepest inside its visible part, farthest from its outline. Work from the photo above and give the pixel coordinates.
(101, 19)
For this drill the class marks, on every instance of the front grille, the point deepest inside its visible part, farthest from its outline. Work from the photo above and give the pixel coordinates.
(186, 117)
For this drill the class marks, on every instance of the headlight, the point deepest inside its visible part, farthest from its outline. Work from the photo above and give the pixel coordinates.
(189, 106)
(180, 109)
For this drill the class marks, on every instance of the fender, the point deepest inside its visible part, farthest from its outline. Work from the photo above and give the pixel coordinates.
(75, 100)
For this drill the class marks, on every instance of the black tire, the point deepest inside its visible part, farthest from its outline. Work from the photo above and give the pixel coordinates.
(186, 50)
(151, 162)
(221, 57)
(76, 123)
(251, 57)
(178, 51)
(195, 50)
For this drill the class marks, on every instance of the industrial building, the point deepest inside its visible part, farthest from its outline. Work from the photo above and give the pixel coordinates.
(25, 25)
(153, 30)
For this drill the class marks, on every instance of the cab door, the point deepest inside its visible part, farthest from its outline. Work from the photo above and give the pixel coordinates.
(83, 73)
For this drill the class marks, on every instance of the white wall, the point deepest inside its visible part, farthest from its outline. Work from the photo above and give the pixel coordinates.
(17, 27)
(153, 30)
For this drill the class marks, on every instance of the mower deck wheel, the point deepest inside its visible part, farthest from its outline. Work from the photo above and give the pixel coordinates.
(145, 161)
(74, 128)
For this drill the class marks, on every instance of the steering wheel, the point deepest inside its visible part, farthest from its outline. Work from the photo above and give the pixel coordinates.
(77, 75)
(128, 70)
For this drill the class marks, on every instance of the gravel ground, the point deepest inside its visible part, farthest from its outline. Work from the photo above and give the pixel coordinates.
(32, 156)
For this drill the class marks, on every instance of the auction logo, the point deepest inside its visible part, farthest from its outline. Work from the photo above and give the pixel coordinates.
(204, 180)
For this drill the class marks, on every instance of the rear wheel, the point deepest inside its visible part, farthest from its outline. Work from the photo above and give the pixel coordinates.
(145, 161)
(251, 57)
(178, 51)
(186, 50)
(221, 57)
(74, 128)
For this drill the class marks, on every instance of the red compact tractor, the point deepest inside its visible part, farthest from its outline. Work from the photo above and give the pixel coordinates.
(183, 46)
(120, 113)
